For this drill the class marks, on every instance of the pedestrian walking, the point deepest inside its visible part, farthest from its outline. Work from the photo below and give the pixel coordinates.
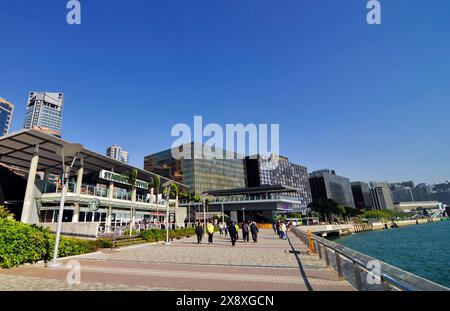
(236, 226)
(221, 228)
(210, 230)
(278, 229)
(283, 230)
(233, 233)
(274, 227)
(199, 232)
(245, 231)
(254, 230)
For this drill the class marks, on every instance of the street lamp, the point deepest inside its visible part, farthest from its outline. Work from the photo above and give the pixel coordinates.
(66, 150)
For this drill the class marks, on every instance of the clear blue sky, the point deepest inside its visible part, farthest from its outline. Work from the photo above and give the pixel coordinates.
(371, 102)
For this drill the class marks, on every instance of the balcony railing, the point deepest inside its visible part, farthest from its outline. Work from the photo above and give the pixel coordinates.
(91, 190)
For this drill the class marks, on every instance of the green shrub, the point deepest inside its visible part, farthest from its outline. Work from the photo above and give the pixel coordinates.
(22, 243)
(102, 243)
(157, 235)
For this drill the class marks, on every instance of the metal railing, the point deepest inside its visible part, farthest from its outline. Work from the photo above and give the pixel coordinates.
(364, 272)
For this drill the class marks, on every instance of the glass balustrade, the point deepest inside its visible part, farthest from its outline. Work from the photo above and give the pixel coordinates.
(91, 190)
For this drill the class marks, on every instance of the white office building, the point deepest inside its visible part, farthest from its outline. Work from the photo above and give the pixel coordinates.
(117, 153)
(44, 112)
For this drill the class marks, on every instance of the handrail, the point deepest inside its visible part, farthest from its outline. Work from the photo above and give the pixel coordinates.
(390, 277)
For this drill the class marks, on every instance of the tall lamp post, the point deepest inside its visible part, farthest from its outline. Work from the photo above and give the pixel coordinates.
(66, 150)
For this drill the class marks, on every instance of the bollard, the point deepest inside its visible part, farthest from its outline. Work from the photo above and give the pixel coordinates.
(311, 249)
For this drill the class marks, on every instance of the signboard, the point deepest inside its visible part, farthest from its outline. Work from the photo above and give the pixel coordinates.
(114, 177)
(94, 205)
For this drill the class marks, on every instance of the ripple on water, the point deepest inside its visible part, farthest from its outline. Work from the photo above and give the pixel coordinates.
(420, 249)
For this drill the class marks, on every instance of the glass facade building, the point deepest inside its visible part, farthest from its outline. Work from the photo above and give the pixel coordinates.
(381, 195)
(262, 171)
(196, 171)
(362, 195)
(325, 184)
(44, 111)
(6, 114)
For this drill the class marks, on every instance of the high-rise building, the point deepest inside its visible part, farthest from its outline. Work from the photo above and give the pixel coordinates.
(421, 192)
(442, 186)
(44, 112)
(6, 114)
(441, 193)
(401, 193)
(277, 170)
(362, 195)
(117, 153)
(441, 196)
(198, 172)
(325, 184)
(381, 195)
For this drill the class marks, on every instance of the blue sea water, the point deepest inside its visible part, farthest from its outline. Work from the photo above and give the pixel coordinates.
(420, 249)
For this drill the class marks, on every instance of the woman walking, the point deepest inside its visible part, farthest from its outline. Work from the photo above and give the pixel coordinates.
(199, 232)
(237, 231)
(210, 230)
(283, 230)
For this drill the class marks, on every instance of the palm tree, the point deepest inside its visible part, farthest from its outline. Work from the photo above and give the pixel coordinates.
(174, 190)
(132, 178)
(157, 185)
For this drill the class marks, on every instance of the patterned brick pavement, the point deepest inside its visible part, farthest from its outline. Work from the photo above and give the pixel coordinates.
(269, 265)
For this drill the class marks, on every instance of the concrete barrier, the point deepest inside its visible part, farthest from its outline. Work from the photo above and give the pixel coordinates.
(75, 229)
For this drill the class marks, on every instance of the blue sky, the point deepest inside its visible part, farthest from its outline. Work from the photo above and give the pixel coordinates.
(371, 102)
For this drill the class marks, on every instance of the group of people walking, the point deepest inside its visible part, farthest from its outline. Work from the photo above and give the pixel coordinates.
(231, 229)
(280, 228)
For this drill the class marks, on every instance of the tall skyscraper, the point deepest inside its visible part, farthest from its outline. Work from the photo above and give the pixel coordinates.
(325, 184)
(401, 193)
(117, 153)
(362, 195)
(261, 172)
(6, 114)
(44, 112)
(381, 195)
(422, 192)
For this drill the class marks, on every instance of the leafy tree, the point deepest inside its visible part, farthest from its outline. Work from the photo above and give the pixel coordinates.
(351, 212)
(327, 208)
(384, 214)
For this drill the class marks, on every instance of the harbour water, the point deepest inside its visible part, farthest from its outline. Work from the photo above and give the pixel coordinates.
(420, 249)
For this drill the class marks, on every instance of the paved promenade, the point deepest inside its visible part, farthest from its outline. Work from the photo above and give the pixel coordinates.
(269, 265)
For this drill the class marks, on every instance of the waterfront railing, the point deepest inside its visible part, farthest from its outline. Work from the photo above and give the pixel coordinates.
(365, 273)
